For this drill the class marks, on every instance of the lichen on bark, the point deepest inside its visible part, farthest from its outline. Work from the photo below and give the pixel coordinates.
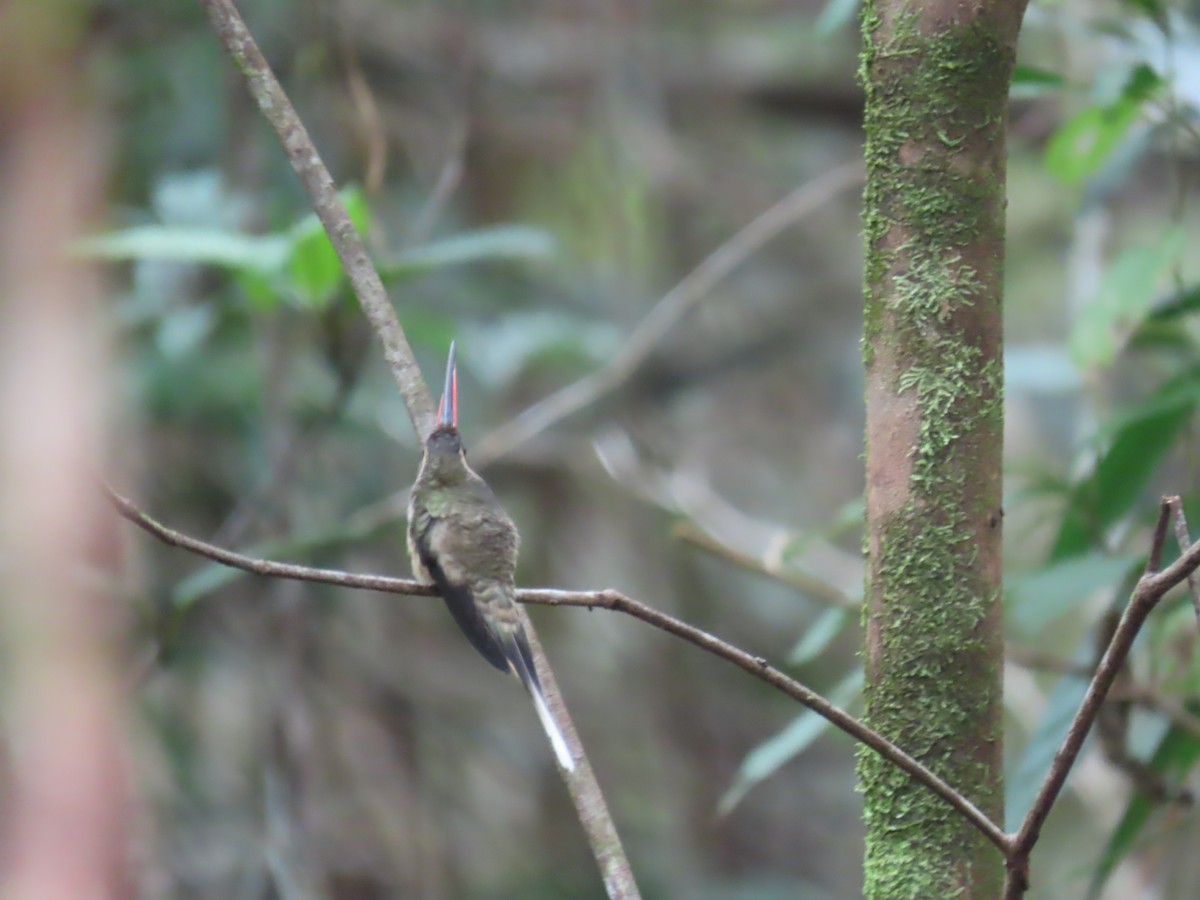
(936, 80)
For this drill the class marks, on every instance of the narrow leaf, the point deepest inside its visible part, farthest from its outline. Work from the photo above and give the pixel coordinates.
(1024, 779)
(1125, 297)
(819, 635)
(1117, 481)
(1086, 140)
(313, 268)
(1173, 758)
(509, 242)
(1038, 598)
(173, 243)
(1029, 82)
(769, 756)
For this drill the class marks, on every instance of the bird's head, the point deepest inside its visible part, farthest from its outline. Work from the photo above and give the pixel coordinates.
(445, 457)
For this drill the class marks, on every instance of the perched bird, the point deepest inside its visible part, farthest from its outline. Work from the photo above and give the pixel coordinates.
(461, 540)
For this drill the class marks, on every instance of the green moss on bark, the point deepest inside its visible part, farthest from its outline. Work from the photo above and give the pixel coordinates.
(933, 217)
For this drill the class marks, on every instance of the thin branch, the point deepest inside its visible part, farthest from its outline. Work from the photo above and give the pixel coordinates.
(277, 109)
(667, 312)
(1176, 573)
(1149, 590)
(1158, 538)
(758, 667)
(590, 805)
(268, 568)
(1184, 538)
(606, 599)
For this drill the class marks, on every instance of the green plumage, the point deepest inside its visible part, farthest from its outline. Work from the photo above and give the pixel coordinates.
(461, 540)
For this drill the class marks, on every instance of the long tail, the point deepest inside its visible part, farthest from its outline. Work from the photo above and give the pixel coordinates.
(521, 661)
(557, 741)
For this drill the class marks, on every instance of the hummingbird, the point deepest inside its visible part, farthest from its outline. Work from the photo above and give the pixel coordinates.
(461, 540)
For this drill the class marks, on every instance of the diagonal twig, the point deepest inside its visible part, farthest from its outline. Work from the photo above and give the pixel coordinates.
(672, 307)
(364, 280)
(1157, 539)
(1183, 536)
(590, 805)
(1149, 590)
(605, 599)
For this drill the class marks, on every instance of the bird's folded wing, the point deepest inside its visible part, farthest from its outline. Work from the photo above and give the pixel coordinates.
(461, 602)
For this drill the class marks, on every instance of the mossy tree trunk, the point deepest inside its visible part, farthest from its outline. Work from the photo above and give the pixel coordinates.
(936, 74)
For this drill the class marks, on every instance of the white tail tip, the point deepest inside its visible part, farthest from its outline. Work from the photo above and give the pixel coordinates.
(557, 741)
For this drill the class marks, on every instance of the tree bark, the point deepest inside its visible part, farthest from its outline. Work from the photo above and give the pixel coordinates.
(936, 76)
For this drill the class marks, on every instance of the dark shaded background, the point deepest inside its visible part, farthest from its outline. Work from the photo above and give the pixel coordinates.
(297, 741)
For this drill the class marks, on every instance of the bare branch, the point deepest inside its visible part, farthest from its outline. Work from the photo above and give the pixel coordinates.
(758, 667)
(1184, 538)
(1149, 591)
(365, 281)
(265, 567)
(1176, 572)
(1158, 538)
(667, 312)
(607, 599)
(277, 109)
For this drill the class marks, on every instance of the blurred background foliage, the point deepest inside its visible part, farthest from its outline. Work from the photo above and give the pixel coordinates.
(532, 178)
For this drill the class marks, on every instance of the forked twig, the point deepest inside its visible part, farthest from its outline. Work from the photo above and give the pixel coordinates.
(1150, 589)
(1184, 538)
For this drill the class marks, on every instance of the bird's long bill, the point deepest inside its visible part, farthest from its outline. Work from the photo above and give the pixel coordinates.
(448, 408)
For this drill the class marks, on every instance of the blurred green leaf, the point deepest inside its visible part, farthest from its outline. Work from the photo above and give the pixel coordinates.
(1038, 598)
(301, 264)
(202, 246)
(1032, 75)
(1086, 140)
(1118, 479)
(1173, 759)
(313, 270)
(819, 635)
(506, 242)
(1024, 778)
(1125, 297)
(1182, 304)
(1179, 393)
(768, 757)
(261, 290)
(430, 327)
(1152, 8)
(1028, 81)
(499, 350)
